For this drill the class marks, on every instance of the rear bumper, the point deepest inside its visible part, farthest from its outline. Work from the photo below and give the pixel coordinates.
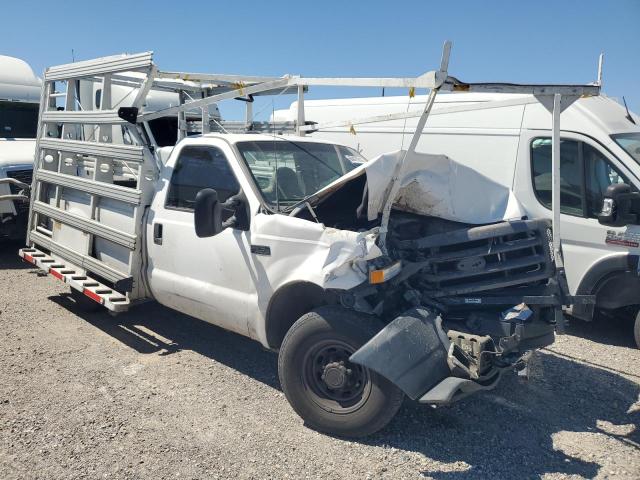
(76, 278)
(436, 367)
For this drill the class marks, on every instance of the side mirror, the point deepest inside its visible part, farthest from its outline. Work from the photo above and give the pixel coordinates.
(616, 206)
(207, 213)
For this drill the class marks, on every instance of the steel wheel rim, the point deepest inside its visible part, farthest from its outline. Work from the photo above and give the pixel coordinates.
(323, 365)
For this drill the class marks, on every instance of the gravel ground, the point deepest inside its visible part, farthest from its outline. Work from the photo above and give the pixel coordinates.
(155, 394)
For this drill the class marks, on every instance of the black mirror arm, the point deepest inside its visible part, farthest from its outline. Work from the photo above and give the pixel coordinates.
(233, 203)
(229, 222)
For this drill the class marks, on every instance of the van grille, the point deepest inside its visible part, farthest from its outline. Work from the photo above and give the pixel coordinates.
(22, 208)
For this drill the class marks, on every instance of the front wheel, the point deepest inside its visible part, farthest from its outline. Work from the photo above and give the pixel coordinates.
(330, 393)
(636, 329)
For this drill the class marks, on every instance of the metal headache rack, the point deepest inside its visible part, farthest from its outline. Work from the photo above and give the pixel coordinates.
(97, 162)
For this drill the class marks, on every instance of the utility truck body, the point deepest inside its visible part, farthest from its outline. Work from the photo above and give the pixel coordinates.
(507, 138)
(337, 263)
(19, 99)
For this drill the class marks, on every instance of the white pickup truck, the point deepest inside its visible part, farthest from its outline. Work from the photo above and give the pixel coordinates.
(288, 240)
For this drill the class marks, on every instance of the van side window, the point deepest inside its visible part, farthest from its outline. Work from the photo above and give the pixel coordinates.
(197, 168)
(585, 175)
(599, 174)
(571, 192)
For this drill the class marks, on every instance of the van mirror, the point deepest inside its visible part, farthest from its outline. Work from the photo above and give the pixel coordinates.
(207, 214)
(616, 206)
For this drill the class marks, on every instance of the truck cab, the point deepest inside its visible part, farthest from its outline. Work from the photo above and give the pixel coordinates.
(233, 275)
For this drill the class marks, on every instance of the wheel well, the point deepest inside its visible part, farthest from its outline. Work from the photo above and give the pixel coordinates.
(614, 282)
(288, 304)
(618, 289)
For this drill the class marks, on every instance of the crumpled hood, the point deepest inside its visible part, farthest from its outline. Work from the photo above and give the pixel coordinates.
(433, 185)
(437, 186)
(16, 152)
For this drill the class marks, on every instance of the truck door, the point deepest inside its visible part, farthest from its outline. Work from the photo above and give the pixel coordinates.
(207, 278)
(587, 169)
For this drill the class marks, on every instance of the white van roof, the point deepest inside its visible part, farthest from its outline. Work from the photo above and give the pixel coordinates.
(598, 116)
(17, 81)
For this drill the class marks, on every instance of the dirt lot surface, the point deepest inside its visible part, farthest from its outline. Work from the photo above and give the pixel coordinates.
(154, 394)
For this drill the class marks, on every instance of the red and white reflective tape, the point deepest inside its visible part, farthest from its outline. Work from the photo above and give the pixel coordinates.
(93, 296)
(58, 275)
(99, 293)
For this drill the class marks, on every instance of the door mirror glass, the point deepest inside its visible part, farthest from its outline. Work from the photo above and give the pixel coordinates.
(207, 214)
(617, 206)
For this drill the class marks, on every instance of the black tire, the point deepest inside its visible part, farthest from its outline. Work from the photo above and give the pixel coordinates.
(636, 329)
(84, 304)
(362, 401)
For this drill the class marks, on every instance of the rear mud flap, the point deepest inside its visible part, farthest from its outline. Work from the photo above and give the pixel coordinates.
(410, 352)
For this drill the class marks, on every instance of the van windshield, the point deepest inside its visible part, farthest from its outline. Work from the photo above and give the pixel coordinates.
(18, 119)
(630, 143)
(288, 171)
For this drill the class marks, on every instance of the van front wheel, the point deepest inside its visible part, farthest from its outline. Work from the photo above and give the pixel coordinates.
(636, 329)
(330, 393)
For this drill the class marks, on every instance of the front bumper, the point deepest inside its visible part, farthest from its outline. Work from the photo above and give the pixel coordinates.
(439, 367)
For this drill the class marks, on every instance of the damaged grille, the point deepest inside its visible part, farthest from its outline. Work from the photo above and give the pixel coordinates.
(22, 208)
(488, 257)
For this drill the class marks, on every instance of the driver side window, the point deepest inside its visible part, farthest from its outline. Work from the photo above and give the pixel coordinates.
(200, 167)
(599, 174)
(585, 174)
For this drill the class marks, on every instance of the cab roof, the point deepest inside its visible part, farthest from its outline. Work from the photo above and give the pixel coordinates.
(261, 137)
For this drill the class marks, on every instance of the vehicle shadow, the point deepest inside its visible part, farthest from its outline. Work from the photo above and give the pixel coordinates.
(9, 259)
(152, 328)
(605, 329)
(515, 431)
(519, 429)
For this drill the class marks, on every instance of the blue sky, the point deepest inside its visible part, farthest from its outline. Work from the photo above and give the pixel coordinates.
(536, 41)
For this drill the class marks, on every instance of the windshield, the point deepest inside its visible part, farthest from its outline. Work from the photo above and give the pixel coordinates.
(287, 172)
(630, 142)
(18, 120)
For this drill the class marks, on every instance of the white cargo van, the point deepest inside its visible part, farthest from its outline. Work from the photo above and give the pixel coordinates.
(285, 239)
(507, 138)
(19, 101)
